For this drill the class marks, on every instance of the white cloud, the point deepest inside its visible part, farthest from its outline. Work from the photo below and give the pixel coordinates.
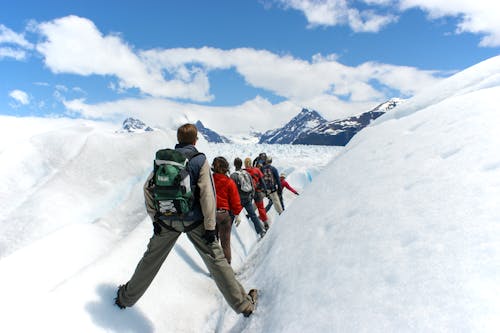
(12, 44)
(296, 79)
(8, 52)
(20, 96)
(477, 17)
(7, 36)
(340, 12)
(74, 45)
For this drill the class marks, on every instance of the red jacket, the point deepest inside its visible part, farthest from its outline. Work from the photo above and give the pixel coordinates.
(228, 197)
(258, 178)
(284, 184)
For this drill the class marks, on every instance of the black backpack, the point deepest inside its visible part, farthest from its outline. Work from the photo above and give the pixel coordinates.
(269, 179)
(172, 192)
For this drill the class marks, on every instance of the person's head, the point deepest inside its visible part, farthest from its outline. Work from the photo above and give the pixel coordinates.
(187, 134)
(269, 160)
(237, 163)
(263, 156)
(220, 165)
(248, 162)
(282, 175)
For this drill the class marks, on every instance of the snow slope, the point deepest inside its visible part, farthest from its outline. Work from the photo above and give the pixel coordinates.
(397, 232)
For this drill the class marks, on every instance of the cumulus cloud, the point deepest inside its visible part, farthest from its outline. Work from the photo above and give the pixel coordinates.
(20, 97)
(74, 45)
(297, 79)
(477, 17)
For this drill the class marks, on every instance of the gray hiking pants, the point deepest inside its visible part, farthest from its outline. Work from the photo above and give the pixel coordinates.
(157, 251)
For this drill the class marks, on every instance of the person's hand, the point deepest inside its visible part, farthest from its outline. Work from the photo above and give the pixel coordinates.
(237, 220)
(209, 236)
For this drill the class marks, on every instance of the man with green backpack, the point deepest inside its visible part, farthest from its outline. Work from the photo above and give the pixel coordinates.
(180, 198)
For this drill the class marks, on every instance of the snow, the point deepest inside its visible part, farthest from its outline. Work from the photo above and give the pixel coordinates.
(399, 231)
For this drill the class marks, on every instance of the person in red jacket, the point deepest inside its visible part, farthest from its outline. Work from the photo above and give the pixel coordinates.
(284, 184)
(228, 203)
(260, 190)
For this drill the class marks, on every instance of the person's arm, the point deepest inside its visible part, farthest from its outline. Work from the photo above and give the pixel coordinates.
(148, 197)
(207, 196)
(289, 187)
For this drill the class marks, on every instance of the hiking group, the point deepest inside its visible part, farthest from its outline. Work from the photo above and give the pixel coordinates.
(183, 196)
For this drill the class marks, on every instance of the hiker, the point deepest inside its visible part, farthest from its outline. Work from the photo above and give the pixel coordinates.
(198, 224)
(273, 184)
(285, 184)
(246, 190)
(259, 161)
(228, 204)
(260, 188)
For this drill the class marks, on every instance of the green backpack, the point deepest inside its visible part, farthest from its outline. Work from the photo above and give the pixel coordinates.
(172, 192)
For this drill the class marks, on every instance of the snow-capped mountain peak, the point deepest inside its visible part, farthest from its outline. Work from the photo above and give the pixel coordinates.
(304, 121)
(210, 135)
(309, 128)
(133, 125)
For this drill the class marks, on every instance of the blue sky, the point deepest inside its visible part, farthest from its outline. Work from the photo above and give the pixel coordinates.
(104, 59)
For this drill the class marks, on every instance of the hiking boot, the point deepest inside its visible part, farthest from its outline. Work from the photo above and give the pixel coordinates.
(266, 226)
(117, 301)
(262, 234)
(253, 295)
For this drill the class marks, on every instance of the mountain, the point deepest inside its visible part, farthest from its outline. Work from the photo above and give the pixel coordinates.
(339, 132)
(300, 124)
(132, 125)
(322, 132)
(210, 135)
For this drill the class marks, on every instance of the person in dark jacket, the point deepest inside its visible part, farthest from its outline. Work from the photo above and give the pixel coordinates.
(228, 203)
(246, 199)
(199, 226)
(260, 188)
(273, 184)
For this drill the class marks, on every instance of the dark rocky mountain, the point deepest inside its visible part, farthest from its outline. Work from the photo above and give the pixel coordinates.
(133, 125)
(210, 135)
(330, 133)
(302, 123)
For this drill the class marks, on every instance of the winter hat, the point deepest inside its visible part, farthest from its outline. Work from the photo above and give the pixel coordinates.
(282, 175)
(269, 160)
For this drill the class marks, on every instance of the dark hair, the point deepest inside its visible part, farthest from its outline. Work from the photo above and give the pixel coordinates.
(237, 163)
(187, 134)
(220, 165)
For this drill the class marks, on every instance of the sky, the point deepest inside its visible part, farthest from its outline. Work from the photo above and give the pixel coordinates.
(262, 59)
(396, 232)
